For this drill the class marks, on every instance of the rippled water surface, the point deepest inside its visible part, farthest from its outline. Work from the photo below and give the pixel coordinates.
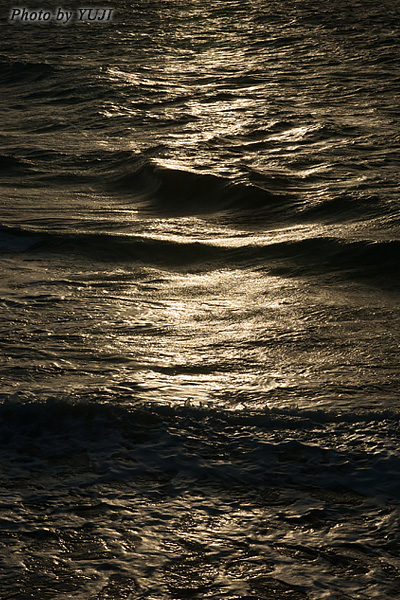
(199, 303)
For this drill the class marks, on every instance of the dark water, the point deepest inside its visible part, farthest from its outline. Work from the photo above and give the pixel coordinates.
(199, 238)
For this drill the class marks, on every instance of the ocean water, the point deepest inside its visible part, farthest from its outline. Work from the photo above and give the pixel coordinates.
(199, 239)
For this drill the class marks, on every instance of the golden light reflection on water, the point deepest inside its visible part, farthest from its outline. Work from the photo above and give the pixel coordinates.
(236, 337)
(210, 321)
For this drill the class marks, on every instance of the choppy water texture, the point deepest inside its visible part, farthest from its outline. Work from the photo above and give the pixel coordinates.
(199, 299)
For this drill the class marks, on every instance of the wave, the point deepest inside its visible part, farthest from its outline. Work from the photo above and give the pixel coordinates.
(253, 448)
(180, 192)
(10, 164)
(16, 240)
(22, 72)
(258, 199)
(356, 258)
(313, 256)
